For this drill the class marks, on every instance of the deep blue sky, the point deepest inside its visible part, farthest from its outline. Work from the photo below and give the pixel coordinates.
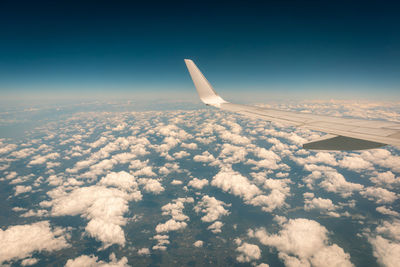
(277, 47)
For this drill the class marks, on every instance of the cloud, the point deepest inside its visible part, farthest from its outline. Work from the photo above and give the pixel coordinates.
(390, 230)
(386, 243)
(318, 168)
(145, 171)
(7, 148)
(106, 231)
(119, 127)
(355, 163)
(234, 138)
(279, 190)
(269, 159)
(291, 137)
(20, 189)
(212, 208)
(332, 181)
(320, 157)
(151, 185)
(335, 182)
(215, 227)
(123, 158)
(383, 158)
(189, 146)
(18, 209)
(73, 182)
(175, 210)
(102, 166)
(38, 159)
(197, 183)
(4, 166)
(379, 195)
(387, 179)
(275, 199)
(281, 185)
(176, 182)
(137, 164)
(331, 256)
(162, 241)
(101, 141)
(98, 161)
(93, 261)
(143, 251)
(99, 168)
(170, 225)
(280, 219)
(293, 248)
(168, 168)
(259, 178)
(321, 204)
(51, 165)
(198, 244)
(278, 146)
(21, 241)
(29, 261)
(11, 175)
(23, 153)
(168, 143)
(22, 179)
(103, 207)
(233, 154)
(206, 140)
(37, 213)
(268, 189)
(236, 184)
(248, 252)
(387, 211)
(121, 180)
(181, 154)
(172, 130)
(204, 157)
(386, 251)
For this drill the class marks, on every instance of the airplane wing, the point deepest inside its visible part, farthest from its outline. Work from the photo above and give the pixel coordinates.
(343, 133)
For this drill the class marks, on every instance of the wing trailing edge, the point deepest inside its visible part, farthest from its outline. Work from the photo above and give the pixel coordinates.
(343, 133)
(341, 143)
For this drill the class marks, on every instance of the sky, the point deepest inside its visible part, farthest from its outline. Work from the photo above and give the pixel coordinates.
(277, 49)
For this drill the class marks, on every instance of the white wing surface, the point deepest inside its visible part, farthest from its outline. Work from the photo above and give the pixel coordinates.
(343, 133)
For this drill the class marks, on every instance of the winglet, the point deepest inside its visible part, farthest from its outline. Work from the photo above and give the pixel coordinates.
(203, 87)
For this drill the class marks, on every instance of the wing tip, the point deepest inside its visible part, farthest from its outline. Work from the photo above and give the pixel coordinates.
(203, 87)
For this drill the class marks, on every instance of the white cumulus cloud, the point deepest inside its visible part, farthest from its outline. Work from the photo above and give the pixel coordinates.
(212, 208)
(197, 183)
(198, 244)
(103, 207)
(151, 185)
(379, 195)
(248, 252)
(92, 261)
(21, 241)
(20, 189)
(304, 241)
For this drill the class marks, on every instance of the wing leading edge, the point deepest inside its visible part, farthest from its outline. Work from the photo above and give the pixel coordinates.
(343, 133)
